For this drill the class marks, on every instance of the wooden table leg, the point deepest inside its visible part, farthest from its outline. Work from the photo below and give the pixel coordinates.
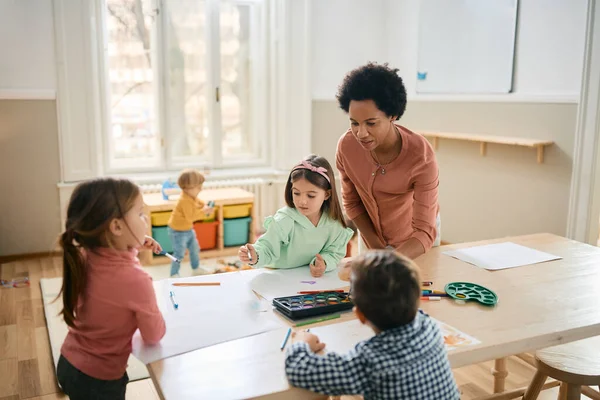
(500, 373)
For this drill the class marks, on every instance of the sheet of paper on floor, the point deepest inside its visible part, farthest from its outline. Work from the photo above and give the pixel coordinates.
(206, 315)
(501, 256)
(287, 282)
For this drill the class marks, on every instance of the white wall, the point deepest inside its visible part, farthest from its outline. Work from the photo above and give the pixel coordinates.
(549, 51)
(27, 62)
(345, 35)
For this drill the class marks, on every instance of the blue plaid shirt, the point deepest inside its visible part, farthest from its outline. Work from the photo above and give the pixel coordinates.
(408, 362)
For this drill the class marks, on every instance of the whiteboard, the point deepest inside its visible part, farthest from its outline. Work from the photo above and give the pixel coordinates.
(466, 46)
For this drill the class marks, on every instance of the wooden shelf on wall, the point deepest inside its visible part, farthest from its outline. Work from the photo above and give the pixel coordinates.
(483, 140)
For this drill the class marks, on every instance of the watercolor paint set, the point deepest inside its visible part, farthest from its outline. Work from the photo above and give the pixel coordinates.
(314, 304)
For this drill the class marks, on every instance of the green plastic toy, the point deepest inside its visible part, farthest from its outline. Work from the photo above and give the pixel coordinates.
(471, 291)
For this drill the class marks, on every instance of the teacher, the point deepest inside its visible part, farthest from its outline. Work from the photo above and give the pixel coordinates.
(389, 174)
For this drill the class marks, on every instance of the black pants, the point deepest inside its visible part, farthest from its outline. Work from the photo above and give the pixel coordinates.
(79, 386)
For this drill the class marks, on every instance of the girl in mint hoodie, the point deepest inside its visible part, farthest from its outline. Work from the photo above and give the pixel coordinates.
(310, 231)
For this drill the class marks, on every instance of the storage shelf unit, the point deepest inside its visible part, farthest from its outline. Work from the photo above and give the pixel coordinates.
(154, 203)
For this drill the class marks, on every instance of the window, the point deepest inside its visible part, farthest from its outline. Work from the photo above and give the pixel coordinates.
(182, 83)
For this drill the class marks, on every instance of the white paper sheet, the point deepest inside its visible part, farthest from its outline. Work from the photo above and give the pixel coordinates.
(343, 337)
(287, 282)
(206, 315)
(501, 256)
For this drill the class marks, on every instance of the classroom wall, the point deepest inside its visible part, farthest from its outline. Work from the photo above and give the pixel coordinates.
(27, 46)
(29, 153)
(343, 33)
(30, 168)
(348, 33)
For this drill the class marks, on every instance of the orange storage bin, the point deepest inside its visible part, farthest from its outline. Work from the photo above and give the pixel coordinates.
(206, 233)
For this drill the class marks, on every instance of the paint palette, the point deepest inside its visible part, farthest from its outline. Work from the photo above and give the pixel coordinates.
(471, 291)
(310, 305)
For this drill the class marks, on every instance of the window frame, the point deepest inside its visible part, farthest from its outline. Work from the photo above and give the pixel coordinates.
(159, 43)
(287, 125)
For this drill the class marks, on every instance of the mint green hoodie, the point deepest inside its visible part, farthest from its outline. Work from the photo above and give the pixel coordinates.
(291, 240)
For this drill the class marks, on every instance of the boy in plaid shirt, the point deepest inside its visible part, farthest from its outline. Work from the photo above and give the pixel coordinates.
(406, 359)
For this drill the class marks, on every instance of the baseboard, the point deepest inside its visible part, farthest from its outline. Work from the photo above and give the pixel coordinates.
(29, 256)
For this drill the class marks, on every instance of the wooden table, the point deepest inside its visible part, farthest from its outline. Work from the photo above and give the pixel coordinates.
(539, 305)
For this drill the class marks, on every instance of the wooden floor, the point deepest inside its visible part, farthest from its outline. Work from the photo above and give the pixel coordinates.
(27, 370)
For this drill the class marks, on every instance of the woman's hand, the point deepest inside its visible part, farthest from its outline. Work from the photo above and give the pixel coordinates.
(318, 268)
(151, 244)
(312, 340)
(345, 269)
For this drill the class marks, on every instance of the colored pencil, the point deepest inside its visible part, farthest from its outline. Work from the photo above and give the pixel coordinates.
(321, 291)
(197, 284)
(433, 292)
(285, 339)
(314, 321)
(435, 295)
(427, 283)
(431, 298)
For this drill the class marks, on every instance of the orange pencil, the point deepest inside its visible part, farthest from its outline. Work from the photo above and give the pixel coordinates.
(320, 291)
(431, 298)
(197, 284)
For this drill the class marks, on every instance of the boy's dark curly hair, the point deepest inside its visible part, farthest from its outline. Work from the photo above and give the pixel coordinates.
(386, 287)
(379, 83)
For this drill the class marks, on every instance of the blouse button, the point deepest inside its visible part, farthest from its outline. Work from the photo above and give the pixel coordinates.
(372, 173)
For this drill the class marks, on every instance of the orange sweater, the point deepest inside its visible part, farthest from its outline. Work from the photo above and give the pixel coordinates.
(187, 211)
(403, 203)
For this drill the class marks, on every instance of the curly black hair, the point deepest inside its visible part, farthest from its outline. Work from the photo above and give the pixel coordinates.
(379, 83)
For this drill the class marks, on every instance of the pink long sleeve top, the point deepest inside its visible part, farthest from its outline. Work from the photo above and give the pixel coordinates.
(119, 299)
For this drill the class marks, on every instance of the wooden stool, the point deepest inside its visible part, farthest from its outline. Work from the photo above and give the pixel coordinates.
(575, 364)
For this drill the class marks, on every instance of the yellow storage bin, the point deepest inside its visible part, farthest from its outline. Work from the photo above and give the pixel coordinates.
(160, 218)
(236, 211)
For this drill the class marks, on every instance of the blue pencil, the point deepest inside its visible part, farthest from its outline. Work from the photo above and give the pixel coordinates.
(285, 339)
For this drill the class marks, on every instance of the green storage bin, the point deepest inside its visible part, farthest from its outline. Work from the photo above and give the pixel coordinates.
(236, 231)
(161, 235)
